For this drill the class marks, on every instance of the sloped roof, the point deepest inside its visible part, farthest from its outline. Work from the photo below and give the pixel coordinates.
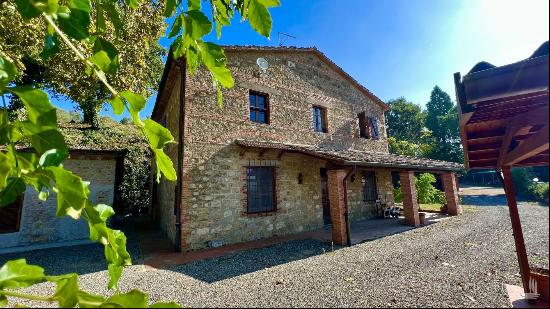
(321, 56)
(355, 157)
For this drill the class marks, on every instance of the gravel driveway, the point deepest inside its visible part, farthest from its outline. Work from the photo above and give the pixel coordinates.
(460, 262)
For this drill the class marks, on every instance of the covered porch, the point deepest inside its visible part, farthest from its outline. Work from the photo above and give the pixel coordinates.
(343, 166)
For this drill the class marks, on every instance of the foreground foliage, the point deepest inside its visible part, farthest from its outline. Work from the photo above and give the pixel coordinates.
(70, 23)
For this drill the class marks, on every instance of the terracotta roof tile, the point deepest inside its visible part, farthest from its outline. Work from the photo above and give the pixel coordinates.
(362, 158)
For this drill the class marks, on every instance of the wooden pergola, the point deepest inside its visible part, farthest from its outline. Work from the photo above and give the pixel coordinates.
(504, 124)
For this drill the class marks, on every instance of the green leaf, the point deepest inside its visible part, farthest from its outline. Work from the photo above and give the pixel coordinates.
(46, 140)
(164, 165)
(115, 272)
(102, 45)
(170, 7)
(222, 15)
(178, 47)
(66, 292)
(86, 300)
(259, 17)
(194, 5)
(197, 24)
(18, 274)
(14, 188)
(104, 212)
(40, 111)
(117, 104)
(136, 103)
(52, 157)
(132, 299)
(214, 59)
(177, 26)
(100, 17)
(76, 26)
(6, 169)
(111, 9)
(132, 3)
(3, 301)
(51, 46)
(7, 73)
(26, 9)
(72, 192)
(271, 3)
(101, 59)
(157, 135)
(165, 305)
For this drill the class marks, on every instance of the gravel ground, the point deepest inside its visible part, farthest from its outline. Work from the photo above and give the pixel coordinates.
(460, 262)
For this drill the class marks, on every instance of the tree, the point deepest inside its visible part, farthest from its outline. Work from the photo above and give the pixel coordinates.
(139, 56)
(442, 121)
(69, 22)
(405, 120)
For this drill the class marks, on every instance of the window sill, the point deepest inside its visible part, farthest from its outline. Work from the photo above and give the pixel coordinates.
(260, 214)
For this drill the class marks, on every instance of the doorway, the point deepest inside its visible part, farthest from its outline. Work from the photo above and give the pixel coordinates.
(324, 197)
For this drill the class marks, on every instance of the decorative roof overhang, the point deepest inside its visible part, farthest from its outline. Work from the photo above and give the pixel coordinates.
(356, 157)
(504, 114)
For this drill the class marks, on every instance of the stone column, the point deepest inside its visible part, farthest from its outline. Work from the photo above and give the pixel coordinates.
(410, 203)
(336, 195)
(451, 193)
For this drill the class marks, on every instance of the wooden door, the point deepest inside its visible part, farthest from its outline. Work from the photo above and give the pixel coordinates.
(324, 197)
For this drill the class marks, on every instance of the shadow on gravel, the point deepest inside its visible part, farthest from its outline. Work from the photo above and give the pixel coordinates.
(250, 261)
(484, 200)
(81, 259)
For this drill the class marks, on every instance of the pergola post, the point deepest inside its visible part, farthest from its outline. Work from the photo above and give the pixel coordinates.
(451, 193)
(410, 203)
(337, 201)
(516, 227)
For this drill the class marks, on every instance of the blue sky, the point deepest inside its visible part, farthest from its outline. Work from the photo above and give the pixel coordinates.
(401, 47)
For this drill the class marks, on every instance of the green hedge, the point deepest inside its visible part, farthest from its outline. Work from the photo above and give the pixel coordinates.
(112, 135)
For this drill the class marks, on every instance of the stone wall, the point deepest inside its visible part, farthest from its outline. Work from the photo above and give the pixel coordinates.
(213, 200)
(40, 227)
(359, 209)
(166, 190)
(215, 211)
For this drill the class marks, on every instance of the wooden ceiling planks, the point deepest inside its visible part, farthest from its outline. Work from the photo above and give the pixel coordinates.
(504, 124)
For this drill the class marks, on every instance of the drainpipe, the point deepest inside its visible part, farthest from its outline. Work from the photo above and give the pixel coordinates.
(346, 213)
(179, 172)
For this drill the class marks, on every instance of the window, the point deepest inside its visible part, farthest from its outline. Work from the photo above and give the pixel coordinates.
(370, 191)
(319, 119)
(10, 216)
(259, 107)
(368, 126)
(260, 189)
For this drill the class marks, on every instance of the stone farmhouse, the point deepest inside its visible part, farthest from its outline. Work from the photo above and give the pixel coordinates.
(298, 144)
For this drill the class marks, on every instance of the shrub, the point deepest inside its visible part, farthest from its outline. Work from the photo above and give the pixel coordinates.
(425, 191)
(539, 191)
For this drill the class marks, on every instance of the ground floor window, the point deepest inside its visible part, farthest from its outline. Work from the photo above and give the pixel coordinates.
(370, 191)
(10, 216)
(260, 189)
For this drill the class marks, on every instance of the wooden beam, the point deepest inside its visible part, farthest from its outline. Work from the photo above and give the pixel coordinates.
(529, 119)
(464, 119)
(530, 147)
(506, 178)
(280, 155)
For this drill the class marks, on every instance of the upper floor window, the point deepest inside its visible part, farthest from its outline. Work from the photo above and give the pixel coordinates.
(368, 126)
(319, 119)
(259, 107)
(260, 189)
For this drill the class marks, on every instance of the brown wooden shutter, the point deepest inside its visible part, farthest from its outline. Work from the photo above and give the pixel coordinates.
(364, 125)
